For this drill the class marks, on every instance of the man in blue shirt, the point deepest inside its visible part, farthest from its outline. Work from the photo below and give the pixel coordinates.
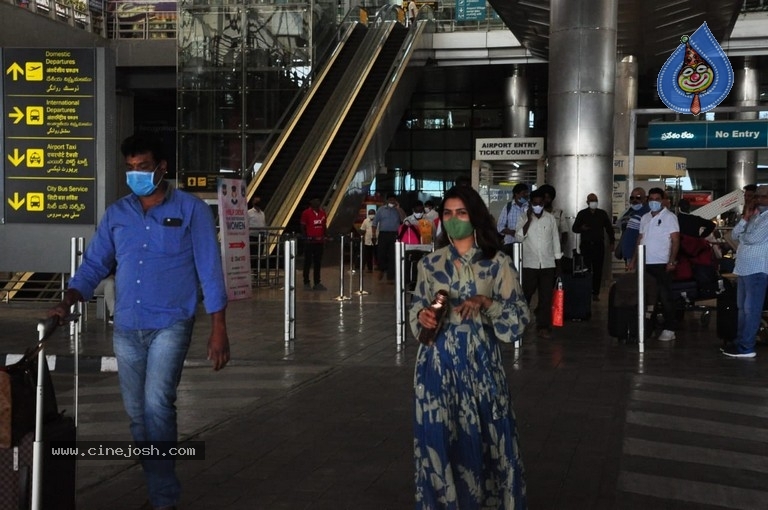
(164, 243)
(510, 215)
(630, 223)
(752, 269)
(385, 225)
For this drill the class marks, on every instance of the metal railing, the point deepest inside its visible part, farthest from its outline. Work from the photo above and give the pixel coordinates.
(266, 244)
(141, 19)
(72, 12)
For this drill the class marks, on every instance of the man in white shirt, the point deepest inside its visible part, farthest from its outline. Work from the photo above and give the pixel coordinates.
(256, 219)
(537, 230)
(660, 233)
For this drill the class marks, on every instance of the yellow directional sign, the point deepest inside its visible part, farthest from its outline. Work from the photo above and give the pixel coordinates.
(35, 158)
(16, 158)
(16, 70)
(35, 202)
(16, 115)
(34, 71)
(34, 115)
(15, 202)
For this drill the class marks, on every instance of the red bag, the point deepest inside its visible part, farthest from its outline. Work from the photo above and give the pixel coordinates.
(558, 302)
(408, 234)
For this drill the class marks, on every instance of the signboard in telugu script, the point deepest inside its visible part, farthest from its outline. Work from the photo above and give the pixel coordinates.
(49, 136)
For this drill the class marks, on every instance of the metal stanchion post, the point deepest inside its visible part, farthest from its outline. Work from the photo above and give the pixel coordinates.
(517, 259)
(341, 296)
(360, 291)
(399, 292)
(641, 297)
(289, 290)
(276, 280)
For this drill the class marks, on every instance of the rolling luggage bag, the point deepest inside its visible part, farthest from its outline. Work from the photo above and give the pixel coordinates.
(622, 318)
(727, 311)
(578, 291)
(29, 477)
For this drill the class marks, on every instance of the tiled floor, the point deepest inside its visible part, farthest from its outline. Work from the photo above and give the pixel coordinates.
(326, 422)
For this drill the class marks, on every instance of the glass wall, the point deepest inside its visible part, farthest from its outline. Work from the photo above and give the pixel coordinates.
(239, 68)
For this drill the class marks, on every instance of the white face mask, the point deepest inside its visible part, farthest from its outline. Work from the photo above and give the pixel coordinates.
(418, 215)
(537, 209)
(427, 209)
(389, 204)
(592, 205)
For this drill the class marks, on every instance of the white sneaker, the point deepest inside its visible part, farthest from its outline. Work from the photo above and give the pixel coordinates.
(667, 336)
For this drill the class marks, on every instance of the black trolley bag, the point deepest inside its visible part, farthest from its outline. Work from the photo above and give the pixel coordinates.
(623, 307)
(30, 478)
(577, 304)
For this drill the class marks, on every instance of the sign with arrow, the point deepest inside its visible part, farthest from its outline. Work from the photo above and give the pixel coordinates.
(235, 240)
(49, 135)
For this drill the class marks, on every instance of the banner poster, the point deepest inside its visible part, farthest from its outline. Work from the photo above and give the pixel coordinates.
(470, 10)
(235, 244)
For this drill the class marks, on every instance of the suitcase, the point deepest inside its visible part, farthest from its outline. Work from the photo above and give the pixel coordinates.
(622, 320)
(28, 477)
(578, 296)
(58, 490)
(727, 311)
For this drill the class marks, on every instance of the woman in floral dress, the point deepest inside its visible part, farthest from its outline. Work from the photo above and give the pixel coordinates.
(465, 444)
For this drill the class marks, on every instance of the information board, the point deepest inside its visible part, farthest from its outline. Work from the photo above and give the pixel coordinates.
(727, 134)
(49, 118)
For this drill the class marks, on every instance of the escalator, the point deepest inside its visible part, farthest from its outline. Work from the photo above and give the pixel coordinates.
(328, 158)
(326, 174)
(281, 156)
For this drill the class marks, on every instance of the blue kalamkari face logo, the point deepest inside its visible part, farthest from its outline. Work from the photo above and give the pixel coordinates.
(697, 76)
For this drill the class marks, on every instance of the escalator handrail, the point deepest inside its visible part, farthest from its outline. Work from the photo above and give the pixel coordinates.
(345, 27)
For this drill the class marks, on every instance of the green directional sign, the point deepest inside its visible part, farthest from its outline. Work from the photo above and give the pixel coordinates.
(746, 134)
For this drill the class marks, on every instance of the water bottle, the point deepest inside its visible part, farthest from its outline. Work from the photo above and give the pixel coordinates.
(440, 306)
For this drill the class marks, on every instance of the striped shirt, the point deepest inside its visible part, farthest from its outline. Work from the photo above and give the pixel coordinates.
(752, 253)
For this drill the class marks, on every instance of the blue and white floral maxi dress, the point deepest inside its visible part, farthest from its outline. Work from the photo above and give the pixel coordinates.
(465, 443)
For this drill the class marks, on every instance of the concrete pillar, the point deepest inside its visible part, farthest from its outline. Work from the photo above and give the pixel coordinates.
(516, 104)
(625, 100)
(742, 164)
(582, 70)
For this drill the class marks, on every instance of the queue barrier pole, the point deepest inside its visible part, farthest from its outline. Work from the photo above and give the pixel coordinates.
(360, 291)
(289, 290)
(341, 296)
(641, 298)
(400, 292)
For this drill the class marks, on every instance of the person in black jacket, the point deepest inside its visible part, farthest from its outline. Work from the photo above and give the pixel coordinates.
(594, 225)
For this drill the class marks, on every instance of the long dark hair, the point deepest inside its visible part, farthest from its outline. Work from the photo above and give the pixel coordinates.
(479, 216)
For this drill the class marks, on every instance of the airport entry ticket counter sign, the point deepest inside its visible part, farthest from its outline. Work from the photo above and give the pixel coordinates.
(509, 149)
(49, 120)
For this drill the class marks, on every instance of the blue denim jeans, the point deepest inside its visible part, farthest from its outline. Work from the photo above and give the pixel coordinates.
(750, 295)
(149, 368)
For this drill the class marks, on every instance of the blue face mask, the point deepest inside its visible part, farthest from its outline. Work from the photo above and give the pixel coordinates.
(637, 207)
(522, 201)
(655, 205)
(141, 183)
